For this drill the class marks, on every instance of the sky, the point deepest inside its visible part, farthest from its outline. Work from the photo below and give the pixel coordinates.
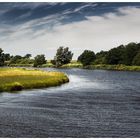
(40, 28)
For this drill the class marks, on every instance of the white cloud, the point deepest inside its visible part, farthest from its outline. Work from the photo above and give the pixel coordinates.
(96, 33)
(85, 6)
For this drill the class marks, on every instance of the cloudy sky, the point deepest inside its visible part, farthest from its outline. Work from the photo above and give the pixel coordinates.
(40, 28)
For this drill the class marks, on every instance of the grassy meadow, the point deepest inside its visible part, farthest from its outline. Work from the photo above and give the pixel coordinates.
(14, 79)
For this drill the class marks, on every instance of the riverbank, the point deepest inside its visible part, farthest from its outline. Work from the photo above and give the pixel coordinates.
(114, 67)
(104, 67)
(14, 79)
(100, 67)
(75, 64)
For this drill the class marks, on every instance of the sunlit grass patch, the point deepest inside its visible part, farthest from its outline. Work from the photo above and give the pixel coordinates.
(13, 79)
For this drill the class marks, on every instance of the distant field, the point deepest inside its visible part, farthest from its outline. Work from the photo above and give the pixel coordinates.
(13, 79)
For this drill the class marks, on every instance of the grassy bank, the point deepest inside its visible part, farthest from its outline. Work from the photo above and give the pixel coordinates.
(114, 67)
(75, 64)
(13, 79)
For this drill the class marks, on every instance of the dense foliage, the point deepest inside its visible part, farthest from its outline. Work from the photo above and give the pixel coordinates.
(1, 57)
(115, 55)
(136, 60)
(39, 60)
(127, 55)
(100, 57)
(63, 56)
(131, 51)
(19, 60)
(123, 54)
(87, 57)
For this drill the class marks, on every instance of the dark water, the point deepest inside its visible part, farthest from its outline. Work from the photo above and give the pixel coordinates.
(95, 103)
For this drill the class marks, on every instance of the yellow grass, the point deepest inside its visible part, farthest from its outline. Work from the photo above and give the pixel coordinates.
(12, 79)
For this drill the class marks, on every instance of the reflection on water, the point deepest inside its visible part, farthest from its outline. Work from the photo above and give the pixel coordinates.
(95, 103)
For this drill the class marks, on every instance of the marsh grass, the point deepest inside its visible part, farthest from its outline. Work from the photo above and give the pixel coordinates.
(14, 79)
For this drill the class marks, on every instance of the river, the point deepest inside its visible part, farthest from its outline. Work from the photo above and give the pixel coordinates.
(95, 103)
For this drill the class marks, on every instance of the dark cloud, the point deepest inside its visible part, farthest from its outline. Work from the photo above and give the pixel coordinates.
(19, 13)
(36, 16)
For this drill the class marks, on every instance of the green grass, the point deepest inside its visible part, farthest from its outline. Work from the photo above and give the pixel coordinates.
(48, 64)
(75, 64)
(14, 79)
(114, 67)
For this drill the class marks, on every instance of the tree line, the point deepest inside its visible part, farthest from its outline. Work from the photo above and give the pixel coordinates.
(124, 54)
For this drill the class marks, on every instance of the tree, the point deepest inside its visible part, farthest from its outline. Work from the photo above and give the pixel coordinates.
(87, 57)
(27, 56)
(100, 57)
(130, 52)
(39, 60)
(136, 60)
(15, 59)
(1, 51)
(63, 56)
(7, 57)
(1, 57)
(115, 55)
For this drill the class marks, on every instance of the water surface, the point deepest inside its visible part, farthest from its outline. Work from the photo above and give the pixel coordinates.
(95, 103)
